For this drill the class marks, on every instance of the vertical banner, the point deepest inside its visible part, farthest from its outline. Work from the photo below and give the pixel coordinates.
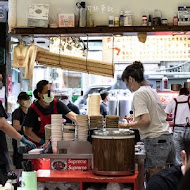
(9, 85)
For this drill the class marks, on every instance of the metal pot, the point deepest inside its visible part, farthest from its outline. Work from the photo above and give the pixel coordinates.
(176, 87)
(187, 85)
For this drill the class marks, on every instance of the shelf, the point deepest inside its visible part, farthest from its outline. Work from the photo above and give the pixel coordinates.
(102, 30)
(84, 176)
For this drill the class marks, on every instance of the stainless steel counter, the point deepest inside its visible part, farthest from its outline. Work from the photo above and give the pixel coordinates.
(138, 156)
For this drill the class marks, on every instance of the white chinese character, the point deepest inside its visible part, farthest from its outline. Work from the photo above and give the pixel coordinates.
(89, 8)
(96, 8)
(103, 8)
(110, 9)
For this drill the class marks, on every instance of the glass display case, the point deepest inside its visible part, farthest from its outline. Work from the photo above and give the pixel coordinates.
(166, 96)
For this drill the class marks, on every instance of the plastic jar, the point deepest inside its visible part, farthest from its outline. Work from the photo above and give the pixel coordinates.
(128, 21)
(116, 21)
(144, 20)
(164, 21)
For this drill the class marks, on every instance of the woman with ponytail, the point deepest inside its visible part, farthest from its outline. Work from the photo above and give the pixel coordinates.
(149, 117)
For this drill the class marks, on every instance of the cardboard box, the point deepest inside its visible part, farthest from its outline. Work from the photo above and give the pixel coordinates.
(183, 15)
(38, 15)
(66, 20)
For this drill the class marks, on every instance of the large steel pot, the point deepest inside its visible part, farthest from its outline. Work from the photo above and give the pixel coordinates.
(176, 87)
(114, 152)
(187, 85)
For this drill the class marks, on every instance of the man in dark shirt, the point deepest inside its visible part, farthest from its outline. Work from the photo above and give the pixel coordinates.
(71, 106)
(103, 104)
(18, 117)
(168, 179)
(185, 182)
(5, 127)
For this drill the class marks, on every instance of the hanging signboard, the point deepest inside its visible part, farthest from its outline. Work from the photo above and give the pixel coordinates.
(156, 48)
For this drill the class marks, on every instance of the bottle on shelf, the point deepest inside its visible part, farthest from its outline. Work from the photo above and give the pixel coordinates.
(175, 20)
(111, 21)
(91, 19)
(150, 20)
(128, 21)
(164, 21)
(82, 14)
(121, 19)
(157, 17)
(116, 21)
(144, 20)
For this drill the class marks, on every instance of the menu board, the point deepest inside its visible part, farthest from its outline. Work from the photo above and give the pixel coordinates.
(156, 48)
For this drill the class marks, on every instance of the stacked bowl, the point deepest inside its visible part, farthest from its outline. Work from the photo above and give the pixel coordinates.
(56, 130)
(68, 132)
(82, 127)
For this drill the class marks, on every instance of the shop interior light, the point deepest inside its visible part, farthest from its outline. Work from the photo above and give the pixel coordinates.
(118, 35)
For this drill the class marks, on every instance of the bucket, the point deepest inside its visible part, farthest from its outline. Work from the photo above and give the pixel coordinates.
(114, 152)
(29, 180)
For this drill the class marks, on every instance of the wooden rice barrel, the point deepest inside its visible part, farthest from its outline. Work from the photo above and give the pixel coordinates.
(114, 155)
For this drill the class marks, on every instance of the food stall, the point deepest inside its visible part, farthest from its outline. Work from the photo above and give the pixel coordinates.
(80, 179)
(73, 160)
(82, 165)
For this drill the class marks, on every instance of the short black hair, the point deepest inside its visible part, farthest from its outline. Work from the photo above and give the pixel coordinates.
(23, 96)
(184, 91)
(64, 97)
(39, 88)
(104, 94)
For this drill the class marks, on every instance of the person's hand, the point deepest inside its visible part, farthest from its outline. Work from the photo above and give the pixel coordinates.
(123, 125)
(28, 143)
(129, 118)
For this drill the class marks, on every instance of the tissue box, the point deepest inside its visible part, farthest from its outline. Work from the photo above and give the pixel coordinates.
(38, 15)
(66, 20)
